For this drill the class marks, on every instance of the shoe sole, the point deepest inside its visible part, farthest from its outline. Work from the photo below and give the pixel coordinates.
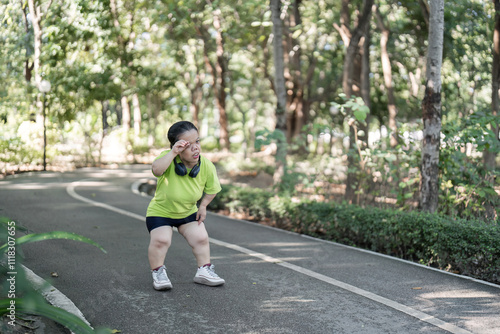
(162, 287)
(204, 281)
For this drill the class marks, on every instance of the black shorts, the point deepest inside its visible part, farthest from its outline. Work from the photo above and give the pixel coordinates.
(154, 222)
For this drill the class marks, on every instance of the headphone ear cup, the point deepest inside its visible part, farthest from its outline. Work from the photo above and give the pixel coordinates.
(180, 169)
(195, 170)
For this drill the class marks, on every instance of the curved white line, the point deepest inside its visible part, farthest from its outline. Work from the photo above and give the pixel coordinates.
(379, 299)
(71, 191)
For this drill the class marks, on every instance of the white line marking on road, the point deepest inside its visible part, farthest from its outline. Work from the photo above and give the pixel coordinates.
(71, 191)
(379, 299)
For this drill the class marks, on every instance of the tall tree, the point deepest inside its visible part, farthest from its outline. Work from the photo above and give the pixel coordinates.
(209, 28)
(279, 65)
(123, 57)
(219, 71)
(489, 155)
(354, 38)
(36, 15)
(431, 110)
(279, 84)
(387, 70)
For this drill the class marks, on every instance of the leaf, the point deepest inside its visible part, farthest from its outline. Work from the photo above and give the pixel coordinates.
(52, 235)
(297, 33)
(408, 195)
(63, 317)
(360, 115)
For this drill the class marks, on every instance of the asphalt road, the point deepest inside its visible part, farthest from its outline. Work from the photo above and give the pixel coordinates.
(276, 281)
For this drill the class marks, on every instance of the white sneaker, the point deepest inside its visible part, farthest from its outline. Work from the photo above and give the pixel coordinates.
(160, 279)
(206, 275)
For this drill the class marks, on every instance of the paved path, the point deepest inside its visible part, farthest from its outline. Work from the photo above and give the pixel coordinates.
(277, 282)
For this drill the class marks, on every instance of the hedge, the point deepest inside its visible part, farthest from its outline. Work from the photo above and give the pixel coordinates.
(468, 247)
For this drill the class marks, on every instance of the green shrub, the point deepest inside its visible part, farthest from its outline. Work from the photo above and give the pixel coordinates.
(250, 201)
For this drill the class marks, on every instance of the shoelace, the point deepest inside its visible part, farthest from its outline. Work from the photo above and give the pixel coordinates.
(162, 275)
(212, 272)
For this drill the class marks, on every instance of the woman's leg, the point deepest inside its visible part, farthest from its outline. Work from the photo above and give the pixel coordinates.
(197, 237)
(160, 240)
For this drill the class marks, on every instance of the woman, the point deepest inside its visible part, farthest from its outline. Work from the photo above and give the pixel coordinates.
(183, 176)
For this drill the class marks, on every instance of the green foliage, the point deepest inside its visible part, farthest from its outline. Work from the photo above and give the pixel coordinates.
(266, 137)
(35, 305)
(354, 104)
(234, 164)
(12, 151)
(467, 188)
(249, 201)
(27, 300)
(291, 179)
(160, 51)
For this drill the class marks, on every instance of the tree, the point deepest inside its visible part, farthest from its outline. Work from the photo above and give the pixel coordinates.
(387, 70)
(219, 72)
(279, 85)
(489, 155)
(431, 110)
(354, 78)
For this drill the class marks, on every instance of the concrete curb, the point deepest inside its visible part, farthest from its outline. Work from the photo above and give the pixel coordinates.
(52, 295)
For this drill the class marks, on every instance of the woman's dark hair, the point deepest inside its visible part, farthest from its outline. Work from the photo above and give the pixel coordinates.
(178, 129)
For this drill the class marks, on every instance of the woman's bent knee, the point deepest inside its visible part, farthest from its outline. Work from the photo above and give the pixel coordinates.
(202, 239)
(160, 242)
(161, 236)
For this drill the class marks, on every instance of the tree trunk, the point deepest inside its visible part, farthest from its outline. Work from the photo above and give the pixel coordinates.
(489, 156)
(364, 82)
(387, 70)
(196, 97)
(137, 115)
(221, 70)
(431, 111)
(279, 65)
(350, 84)
(28, 67)
(279, 83)
(125, 113)
(36, 18)
(218, 71)
(122, 50)
(293, 74)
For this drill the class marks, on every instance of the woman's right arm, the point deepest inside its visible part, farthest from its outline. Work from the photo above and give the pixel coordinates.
(160, 165)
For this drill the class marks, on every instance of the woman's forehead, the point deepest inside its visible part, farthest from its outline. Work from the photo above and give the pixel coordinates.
(190, 136)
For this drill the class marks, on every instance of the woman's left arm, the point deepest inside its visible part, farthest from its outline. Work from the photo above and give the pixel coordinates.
(202, 210)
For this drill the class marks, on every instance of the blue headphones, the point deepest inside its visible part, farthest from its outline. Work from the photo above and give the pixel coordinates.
(181, 170)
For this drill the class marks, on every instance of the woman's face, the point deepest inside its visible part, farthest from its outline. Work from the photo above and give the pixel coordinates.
(191, 153)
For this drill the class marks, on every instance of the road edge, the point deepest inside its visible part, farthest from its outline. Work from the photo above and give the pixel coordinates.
(52, 295)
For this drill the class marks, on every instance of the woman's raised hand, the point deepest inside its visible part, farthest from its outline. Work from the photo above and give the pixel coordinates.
(180, 146)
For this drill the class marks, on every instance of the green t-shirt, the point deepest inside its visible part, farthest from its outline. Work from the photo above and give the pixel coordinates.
(176, 196)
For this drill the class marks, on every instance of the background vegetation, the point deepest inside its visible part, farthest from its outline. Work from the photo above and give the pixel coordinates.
(121, 72)
(327, 96)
